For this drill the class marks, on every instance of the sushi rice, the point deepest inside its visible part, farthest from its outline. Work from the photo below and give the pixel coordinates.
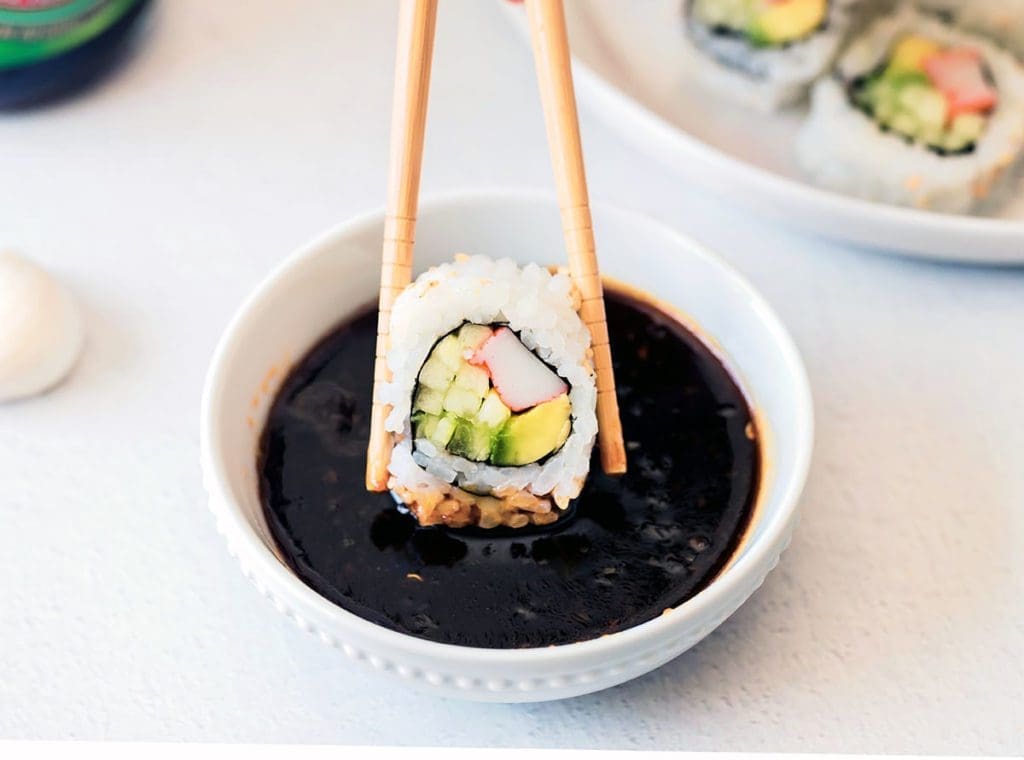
(1002, 20)
(842, 148)
(541, 308)
(766, 77)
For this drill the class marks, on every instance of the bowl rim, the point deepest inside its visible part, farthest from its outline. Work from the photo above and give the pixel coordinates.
(248, 545)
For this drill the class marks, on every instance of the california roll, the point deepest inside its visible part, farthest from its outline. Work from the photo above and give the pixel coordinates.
(766, 53)
(917, 113)
(493, 395)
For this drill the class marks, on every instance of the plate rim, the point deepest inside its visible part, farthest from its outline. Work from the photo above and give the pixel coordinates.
(607, 97)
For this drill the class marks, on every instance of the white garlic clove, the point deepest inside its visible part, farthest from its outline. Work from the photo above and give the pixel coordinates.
(41, 330)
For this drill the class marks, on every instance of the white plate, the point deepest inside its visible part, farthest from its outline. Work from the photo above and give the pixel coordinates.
(339, 272)
(630, 68)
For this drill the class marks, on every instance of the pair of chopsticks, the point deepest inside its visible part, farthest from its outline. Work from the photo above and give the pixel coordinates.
(416, 23)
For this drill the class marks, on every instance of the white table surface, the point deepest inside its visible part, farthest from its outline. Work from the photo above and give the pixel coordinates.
(895, 622)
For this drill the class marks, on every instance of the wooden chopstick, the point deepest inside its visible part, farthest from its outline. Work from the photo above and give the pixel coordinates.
(417, 19)
(416, 23)
(554, 76)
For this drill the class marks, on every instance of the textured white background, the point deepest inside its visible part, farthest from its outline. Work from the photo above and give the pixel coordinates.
(895, 623)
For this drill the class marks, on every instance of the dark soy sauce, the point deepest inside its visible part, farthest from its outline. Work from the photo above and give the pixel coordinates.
(630, 548)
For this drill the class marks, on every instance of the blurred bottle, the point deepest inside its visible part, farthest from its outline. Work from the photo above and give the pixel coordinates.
(51, 48)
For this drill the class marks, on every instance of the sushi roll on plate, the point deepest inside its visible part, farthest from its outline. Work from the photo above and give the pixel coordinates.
(918, 114)
(492, 395)
(1002, 20)
(766, 53)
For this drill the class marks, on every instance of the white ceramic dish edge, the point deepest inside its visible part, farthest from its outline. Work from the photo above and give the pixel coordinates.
(487, 674)
(796, 205)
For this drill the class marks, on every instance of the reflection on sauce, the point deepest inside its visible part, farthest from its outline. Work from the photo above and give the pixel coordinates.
(631, 547)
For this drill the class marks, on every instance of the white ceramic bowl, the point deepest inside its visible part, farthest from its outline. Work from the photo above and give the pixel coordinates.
(338, 273)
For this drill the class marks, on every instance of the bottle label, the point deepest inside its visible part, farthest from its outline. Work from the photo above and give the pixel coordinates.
(34, 30)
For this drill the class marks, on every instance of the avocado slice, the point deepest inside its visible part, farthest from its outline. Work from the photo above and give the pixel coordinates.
(784, 22)
(910, 54)
(532, 435)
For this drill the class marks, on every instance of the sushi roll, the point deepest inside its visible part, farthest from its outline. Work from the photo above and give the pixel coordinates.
(766, 53)
(493, 395)
(1002, 20)
(919, 114)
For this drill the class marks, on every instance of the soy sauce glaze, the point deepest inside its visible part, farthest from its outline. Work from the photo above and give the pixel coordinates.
(631, 547)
